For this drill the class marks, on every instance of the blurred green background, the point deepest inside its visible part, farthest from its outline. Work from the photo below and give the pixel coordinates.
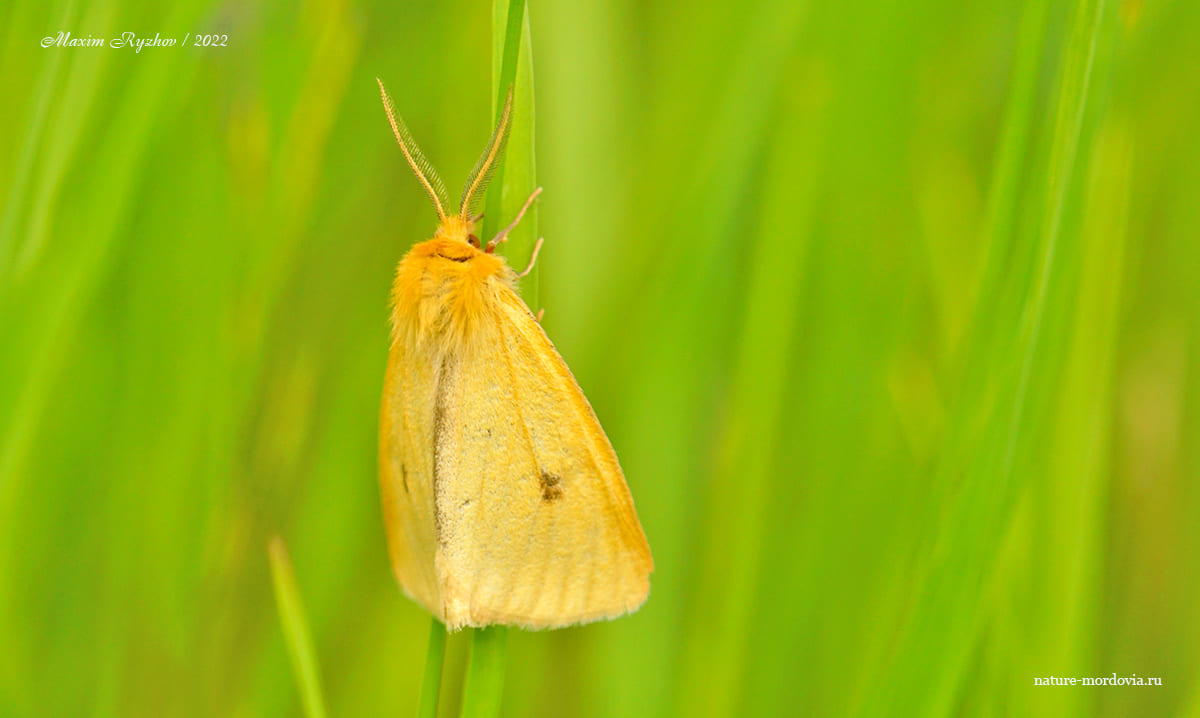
(889, 309)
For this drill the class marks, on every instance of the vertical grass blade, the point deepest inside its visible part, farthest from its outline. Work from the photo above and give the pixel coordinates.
(516, 177)
(1012, 157)
(434, 658)
(295, 631)
(485, 673)
(514, 181)
(514, 17)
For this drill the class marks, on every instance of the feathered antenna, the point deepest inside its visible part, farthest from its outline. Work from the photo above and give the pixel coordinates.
(420, 166)
(486, 166)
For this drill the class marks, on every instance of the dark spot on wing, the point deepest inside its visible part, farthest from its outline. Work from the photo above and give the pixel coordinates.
(465, 503)
(550, 487)
(454, 259)
(404, 476)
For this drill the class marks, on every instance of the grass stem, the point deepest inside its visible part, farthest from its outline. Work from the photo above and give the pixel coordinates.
(485, 673)
(511, 40)
(434, 658)
(295, 631)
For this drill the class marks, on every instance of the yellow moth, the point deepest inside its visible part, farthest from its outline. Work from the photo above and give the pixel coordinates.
(503, 499)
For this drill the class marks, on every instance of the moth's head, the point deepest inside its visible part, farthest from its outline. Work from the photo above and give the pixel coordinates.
(459, 226)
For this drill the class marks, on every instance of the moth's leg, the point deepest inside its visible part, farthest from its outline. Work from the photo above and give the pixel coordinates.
(541, 313)
(503, 234)
(533, 257)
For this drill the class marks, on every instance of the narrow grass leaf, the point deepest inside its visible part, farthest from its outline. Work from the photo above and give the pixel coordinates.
(434, 658)
(484, 686)
(295, 631)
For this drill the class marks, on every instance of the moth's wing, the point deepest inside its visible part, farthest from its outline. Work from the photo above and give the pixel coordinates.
(536, 522)
(406, 470)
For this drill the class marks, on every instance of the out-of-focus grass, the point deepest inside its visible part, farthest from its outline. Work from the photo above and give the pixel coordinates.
(295, 631)
(889, 311)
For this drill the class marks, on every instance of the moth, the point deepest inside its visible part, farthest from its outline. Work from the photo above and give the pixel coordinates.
(502, 497)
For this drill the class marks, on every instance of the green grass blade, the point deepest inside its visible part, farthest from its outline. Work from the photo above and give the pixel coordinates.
(514, 19)
(516, 176)
(434, 658)
(485, 673)
(1012, 159)
(514, 181)
(295, 631)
